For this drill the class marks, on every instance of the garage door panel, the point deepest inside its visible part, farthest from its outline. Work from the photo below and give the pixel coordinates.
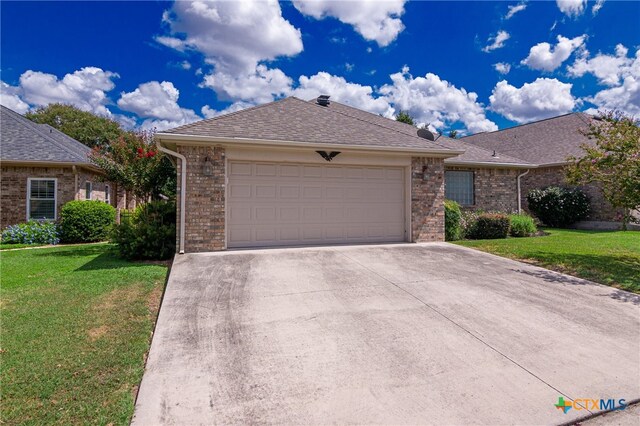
(284, 204)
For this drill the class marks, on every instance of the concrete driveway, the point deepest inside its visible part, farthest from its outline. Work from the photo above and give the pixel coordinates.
(394, 334)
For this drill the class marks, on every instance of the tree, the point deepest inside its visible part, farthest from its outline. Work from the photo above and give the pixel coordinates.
(134, 163)
(613, 161)
(404, 117)
(453, 134)
(90, 129)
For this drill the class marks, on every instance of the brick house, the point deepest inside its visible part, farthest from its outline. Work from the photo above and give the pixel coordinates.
(42, 169)
(296, 172)
(547, 144)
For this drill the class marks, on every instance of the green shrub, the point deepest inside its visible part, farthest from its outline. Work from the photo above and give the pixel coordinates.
(32, 232)
(522, 225)
(558, 207)
(147, 233)
(490, 226)
(86, 221)
(452, 219)
(468, 222)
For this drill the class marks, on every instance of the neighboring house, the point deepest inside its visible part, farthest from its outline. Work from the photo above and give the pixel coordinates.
(547, 144)
(42, 169)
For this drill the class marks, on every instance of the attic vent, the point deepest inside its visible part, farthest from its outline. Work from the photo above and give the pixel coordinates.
(426, 134)
(323, 100)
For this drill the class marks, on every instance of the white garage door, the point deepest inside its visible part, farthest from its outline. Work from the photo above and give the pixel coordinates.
(280, 204)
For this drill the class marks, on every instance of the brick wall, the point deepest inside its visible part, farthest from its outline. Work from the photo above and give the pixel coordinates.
(427, 199)
(495, 189)
(542, 177)
(13, 189)
(205, 202)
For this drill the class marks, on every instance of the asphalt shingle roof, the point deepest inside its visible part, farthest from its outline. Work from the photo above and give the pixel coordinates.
(543, 142)
(23, 140)
(295, 120)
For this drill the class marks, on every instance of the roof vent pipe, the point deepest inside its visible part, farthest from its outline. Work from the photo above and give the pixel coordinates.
(323, 100)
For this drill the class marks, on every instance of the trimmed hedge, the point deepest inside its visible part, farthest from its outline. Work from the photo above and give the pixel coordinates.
(32, 232)
(452, 221)
(147, 233)
(558, 207)
(522, 225)
(490, 226)
(86, 221)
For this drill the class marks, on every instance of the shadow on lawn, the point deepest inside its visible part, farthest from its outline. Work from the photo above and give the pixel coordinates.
(622, 271)
(104, 257)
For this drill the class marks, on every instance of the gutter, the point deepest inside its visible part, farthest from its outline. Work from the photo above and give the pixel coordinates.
(183, 192)
(489, 164)
(519, 196)
(198, 139)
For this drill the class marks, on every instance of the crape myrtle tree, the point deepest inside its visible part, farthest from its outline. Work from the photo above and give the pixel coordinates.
(134, 162)
(612, 161)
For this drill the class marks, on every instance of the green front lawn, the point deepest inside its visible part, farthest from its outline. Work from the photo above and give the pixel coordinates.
(6, 246)
(611, 258)
(76, 325)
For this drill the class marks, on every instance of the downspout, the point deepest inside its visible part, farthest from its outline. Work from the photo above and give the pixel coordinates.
(519, 197)
(75, 182)
(183, 191)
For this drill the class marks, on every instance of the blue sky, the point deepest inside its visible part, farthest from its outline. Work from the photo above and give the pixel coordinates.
(471, 66)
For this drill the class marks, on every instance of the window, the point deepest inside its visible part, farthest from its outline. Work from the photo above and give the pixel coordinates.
(87, 190)
(41, 199)
(107, 194)
(459, 187)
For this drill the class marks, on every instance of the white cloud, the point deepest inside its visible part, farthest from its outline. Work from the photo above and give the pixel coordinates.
(498, 41)
(378, 21)
(625, 98)
(349, 67)
(263, 85)
(502, 67)
(236, 37)
(432, 100)
(540, 99)
(85, 89)
(596, 7)
(158, 103)
(209, 112)
(340, 90)
(572, 8)
(608, 69)
(544, 57)
(10, 98)
(186, 65)
(515, 9)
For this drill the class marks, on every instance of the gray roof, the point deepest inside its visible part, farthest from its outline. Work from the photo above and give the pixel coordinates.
(294, 120)
(472, 154)
(543, 142)
(23, 140)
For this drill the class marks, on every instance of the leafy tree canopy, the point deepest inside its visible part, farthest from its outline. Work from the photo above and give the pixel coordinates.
(453, 134)
(612, 161)
(404, 117)
(90, 129)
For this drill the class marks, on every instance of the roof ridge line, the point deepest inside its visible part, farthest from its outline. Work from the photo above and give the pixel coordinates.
(375, 124)
(496, 151)
(24, 121)
(229, 114)
(526, 124)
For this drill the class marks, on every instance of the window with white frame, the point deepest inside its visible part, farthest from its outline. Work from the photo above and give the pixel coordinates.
(41, 199)
(107, 194)
(459, 187)
(87, 190)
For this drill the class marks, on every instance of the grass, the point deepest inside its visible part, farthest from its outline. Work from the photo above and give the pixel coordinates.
(607, 257)
(6, 246)
(76, 325)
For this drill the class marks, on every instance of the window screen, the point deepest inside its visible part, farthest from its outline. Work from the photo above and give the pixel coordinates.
(87, 190)
(459, 187)
(42, 199)
(107, 194)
